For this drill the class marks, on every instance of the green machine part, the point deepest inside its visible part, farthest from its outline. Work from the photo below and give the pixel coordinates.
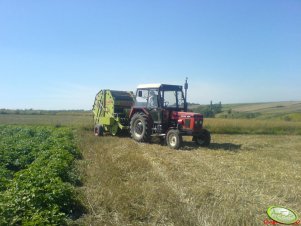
(111, 110)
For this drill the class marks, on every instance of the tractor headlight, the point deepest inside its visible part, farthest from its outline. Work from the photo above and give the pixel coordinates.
(198, 122)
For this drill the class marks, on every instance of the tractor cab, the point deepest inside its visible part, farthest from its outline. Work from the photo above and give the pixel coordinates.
(160, 96)
(159, 100)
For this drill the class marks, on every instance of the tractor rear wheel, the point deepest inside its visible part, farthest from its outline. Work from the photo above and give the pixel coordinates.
(98, 130)
(174, 139)
(203, 139)
(140, 127)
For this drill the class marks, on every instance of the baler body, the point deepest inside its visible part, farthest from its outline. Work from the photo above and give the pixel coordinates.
(111, 110)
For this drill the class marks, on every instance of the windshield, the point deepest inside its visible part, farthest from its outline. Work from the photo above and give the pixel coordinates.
(173, 99)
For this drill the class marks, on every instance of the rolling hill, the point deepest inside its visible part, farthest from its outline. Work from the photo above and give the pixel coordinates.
(269, 107)
(285, 110)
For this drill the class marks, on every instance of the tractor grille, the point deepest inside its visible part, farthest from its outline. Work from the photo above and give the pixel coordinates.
(187, 123)
(198, 123)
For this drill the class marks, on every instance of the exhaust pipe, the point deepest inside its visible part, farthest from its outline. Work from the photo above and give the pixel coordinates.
(185, 98)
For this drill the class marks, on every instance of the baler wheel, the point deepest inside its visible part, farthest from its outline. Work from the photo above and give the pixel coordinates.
(114, 129)
(98, 130)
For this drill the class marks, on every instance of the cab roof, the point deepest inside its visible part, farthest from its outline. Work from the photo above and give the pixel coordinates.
(157, 86)
(146, 86)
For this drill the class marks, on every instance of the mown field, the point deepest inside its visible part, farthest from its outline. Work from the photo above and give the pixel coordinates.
(250, 165)
(232, 182)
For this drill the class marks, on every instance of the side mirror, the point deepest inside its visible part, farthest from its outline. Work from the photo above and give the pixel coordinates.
(139, 93)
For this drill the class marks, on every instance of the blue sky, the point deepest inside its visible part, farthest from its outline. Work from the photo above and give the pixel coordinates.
(58, 54)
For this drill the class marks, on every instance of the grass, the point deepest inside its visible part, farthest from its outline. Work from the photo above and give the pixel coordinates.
(232, 182)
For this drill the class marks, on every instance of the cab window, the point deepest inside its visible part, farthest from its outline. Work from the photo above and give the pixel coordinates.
(141, 97)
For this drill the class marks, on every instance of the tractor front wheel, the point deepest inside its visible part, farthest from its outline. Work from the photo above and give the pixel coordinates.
(203, 139)
(174, 139)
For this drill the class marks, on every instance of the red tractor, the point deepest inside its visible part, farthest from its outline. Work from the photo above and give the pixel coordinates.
(161, 110)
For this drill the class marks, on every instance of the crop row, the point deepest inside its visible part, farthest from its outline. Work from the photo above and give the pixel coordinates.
(37, 175)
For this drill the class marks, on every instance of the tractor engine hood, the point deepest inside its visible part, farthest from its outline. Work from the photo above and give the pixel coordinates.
(175, 115)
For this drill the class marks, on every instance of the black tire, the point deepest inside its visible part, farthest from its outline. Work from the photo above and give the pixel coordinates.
(140, 127)
(174, 139)
(98, 130)
(162, 140)
(203, 139)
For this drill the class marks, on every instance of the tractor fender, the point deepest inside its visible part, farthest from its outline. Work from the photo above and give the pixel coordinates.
(135, 110)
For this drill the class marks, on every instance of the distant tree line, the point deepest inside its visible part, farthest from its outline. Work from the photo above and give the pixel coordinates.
(210, 110)
(243, 115)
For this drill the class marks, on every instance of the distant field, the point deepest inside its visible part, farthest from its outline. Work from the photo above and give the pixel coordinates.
(65, 119)
(215, 125)
(252, 126)
(285, 111)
